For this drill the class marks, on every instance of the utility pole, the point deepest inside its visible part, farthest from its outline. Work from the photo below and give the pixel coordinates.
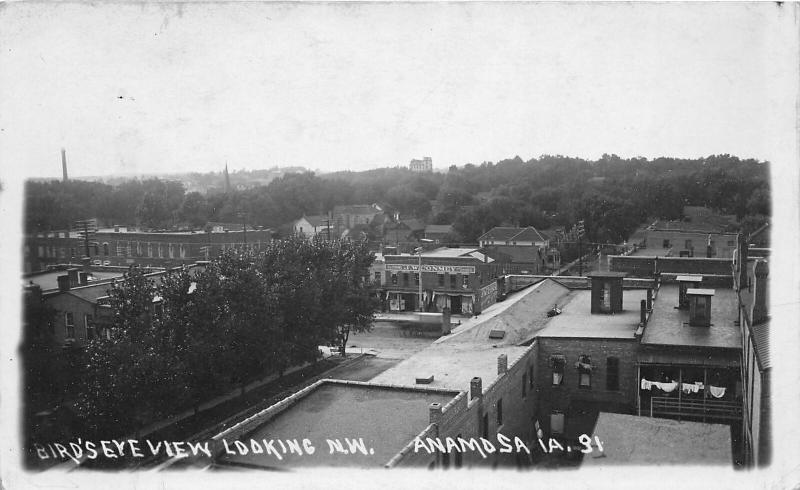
(581, 231)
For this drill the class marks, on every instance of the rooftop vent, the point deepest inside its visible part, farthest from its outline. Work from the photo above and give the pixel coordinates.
(425, 380)
(700, 307)
(497, 334)
(606, 291)
(686, 283)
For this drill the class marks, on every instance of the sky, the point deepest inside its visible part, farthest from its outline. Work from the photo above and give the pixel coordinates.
(159, 88)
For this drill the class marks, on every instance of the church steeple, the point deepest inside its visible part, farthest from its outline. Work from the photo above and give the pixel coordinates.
(227, 179)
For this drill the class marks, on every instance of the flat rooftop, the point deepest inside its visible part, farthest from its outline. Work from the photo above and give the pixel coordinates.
(387, 419)
(521, 315)
(632, 440)
(576, 318)
(452, 364)
(670, 326)
(49, 280)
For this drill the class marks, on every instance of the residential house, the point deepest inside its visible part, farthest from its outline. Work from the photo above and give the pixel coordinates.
(311, 226)
(439, 233)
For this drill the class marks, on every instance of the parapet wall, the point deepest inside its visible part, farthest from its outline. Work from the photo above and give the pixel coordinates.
(647, 266)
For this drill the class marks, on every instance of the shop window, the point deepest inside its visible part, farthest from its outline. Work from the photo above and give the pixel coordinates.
(394, 279)
(612, 374)
(69, 324)
(416, 278)
(465, 281)
(405, 278)
(557, 364)
(452, 281)
(441, 280)
(105, 248)
(584, 366)
(377, 277)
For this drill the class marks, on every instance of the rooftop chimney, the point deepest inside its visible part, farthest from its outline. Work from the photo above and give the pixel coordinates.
(63, 283)
(606, 291)
(743, 252)
(502, 364)
(700, 307)
(475, 388)
(643, 312)
(74, 279)
(64, 163)
(435, 411)
(686, 283)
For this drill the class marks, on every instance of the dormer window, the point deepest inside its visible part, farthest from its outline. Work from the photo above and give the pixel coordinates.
(700, 307)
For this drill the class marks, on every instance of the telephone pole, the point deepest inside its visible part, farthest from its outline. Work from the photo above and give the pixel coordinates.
(581, 231)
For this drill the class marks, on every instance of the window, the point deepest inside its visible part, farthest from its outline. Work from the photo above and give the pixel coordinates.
(730, 243)
(665, 244)
(69, 323)
(416, 278)
(89, 325)
(41, 251)
(405, 278)
(486, 426)
(441, 280)
(688, 245)
(394, 279)
(378, 277)
(499, 412)
(530, 377)
(465, 281)
(557, 364)
(452, 281)
(105, 248)
(584, 366)
(612, 374)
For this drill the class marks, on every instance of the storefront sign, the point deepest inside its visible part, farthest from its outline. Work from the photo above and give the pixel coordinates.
(452, 269)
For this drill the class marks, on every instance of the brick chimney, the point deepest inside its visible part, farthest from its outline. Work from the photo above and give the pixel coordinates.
(502, 364)
(475, 388)
(606, 291)
(435, 412)
(63, 283)
(700, 307)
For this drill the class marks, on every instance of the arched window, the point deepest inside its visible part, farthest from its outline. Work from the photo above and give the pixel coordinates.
(105, 248)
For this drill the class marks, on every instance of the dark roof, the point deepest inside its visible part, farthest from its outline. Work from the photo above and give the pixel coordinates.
(355, 209)
(507, 234)
(669, 326)
(510, 253)
(317, 220)
(606, 274)
(438, 229)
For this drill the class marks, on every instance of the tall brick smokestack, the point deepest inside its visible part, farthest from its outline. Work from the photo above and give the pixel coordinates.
(64, 163)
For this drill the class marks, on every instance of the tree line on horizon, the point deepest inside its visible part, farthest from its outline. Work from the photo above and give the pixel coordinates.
(612, 195)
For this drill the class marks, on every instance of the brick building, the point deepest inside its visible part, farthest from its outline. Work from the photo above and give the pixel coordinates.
(81, 306)
(420, 166)
(121, 247)
(462, 279)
